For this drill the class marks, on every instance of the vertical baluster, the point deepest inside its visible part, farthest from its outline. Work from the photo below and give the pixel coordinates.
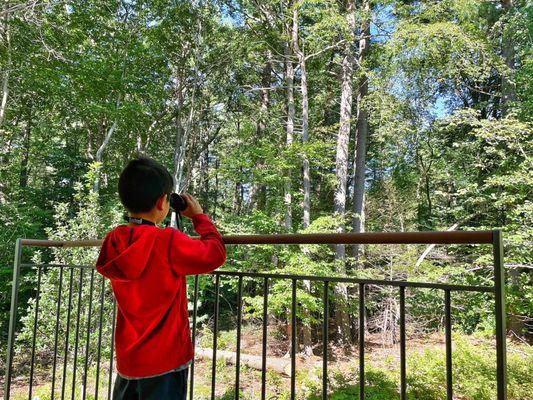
(111, 356)
(403, 391)
(35, 329)
(99, 346)
(293, 341)
(58, 310)
(325, 341)
(238, 355)
(448, 321)
(88, 337)
(65, 360)
(264, 350)
(361, 341)
(215, 335)
(194, 312)
(80, 287)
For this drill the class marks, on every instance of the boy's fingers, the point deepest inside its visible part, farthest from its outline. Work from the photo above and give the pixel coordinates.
(190, 199)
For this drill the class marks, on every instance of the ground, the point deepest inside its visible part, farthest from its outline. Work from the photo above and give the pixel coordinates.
(382, 370)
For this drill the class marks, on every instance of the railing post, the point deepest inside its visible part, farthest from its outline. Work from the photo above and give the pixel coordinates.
(13, 316)
(499, 292)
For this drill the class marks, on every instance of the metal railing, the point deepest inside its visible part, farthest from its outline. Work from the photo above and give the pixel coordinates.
(484, 237)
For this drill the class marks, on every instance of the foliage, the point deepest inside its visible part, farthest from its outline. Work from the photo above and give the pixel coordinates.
(77, 289)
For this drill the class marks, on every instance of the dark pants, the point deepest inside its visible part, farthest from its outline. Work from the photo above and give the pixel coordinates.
(171, 386)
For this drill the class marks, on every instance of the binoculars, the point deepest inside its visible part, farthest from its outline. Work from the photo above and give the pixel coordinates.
(177, 202)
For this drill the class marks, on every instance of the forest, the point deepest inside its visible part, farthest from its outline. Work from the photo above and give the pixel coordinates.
(283, 116)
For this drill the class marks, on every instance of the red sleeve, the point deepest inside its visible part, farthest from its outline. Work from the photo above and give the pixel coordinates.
(188, 256)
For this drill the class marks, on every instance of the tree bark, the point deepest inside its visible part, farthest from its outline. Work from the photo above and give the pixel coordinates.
(508, 54)
(215, 201)
(183, 132)
(5, 77)
(341, 166)
(258, 190)
(509, 96)
(306, 328)
(361, 130)
(341, 161)
(23, 181)
(100, 151)
(289, 81)
(305, 121)
(266, 76)
(112, 129)
(204, 179)
(182, 139)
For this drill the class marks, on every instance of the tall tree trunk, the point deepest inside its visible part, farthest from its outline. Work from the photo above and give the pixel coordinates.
(508, 54)
(341, 166)
(183, 132)
(215, 201)
(23, 181)
(306, 328)
(305, 121)
(361, 129)
(508, 96)
(5, 75)
(109, 134)
(266, 76)
(289, 127)
(289, 81)
(182, 139)
(178, 158)
(237, 193)
(143, 141)
(204, 179)
(257, 191)
(100, 151)
(112, 129)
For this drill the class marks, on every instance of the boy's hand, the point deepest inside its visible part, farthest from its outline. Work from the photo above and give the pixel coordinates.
(193, 207)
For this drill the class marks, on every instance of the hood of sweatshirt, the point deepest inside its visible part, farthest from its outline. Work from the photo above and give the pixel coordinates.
(126, 251)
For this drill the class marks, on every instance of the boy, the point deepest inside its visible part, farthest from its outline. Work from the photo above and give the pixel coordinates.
(147, 266)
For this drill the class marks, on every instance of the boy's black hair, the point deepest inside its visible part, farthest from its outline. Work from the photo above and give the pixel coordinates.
(142, 182)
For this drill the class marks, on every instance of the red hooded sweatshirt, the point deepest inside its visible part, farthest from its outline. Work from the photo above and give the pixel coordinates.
(147, 266)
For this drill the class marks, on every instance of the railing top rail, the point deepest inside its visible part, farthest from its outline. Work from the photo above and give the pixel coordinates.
(429, 237)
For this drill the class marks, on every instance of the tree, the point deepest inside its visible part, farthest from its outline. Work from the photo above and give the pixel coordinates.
(341, 163)
(361, 128)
